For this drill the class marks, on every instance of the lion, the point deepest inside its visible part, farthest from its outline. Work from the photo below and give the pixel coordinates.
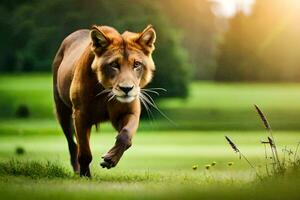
(98, 75)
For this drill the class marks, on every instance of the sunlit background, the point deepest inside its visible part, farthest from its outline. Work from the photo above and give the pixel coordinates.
(229, 8)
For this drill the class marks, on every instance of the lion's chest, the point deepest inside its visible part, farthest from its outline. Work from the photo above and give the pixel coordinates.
(99, 111)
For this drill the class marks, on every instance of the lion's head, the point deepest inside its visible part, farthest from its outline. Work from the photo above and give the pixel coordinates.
(123, 62)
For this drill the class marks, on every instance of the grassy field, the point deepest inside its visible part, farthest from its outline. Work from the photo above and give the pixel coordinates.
(159, 165)
(210, 106)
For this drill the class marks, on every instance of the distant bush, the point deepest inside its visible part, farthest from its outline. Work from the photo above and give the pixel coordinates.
(20, 150)
(22, 111)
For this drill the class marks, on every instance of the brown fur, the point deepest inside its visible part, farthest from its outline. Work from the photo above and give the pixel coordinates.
(88, 63)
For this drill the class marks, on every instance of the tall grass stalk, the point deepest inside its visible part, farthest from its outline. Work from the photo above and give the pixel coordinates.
(296, 152)
(241, 155)
(279, 167)
(266, 156)
(271, 139)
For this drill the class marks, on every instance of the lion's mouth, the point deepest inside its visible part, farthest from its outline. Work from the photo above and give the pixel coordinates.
(125, 98)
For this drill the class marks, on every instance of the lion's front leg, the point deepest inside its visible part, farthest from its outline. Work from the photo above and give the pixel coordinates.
(128, 126)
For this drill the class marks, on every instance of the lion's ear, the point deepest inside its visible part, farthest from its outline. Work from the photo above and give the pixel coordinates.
(99, 40)
(147, 38)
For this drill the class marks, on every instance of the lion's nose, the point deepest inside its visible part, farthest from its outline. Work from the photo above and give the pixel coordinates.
(126, 89)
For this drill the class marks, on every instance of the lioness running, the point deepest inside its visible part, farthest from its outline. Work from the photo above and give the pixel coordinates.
(97, 76)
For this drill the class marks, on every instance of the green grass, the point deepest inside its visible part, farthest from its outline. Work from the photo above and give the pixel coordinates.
(122, 188)
(219, 106)
(159, 164)
(33, 169)
(34, 91)
(147, 186)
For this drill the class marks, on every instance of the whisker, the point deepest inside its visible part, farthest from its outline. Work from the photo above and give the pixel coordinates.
(162, 89)
(103, 91)
(149, 113)
(153, 104)
(111, 95)
(147, 90)
(111, 98)
(150, 98)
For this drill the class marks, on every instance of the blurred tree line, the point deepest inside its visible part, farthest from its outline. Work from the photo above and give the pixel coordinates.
(197, 22)
(264, 46)
(32, 30)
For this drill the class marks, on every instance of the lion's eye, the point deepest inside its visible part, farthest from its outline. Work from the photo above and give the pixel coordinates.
(115, 65)
(137, 64)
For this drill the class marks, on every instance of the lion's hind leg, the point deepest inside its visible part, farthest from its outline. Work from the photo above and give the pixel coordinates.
(64, 115)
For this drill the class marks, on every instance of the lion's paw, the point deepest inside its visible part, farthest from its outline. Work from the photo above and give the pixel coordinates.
(107, 163)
